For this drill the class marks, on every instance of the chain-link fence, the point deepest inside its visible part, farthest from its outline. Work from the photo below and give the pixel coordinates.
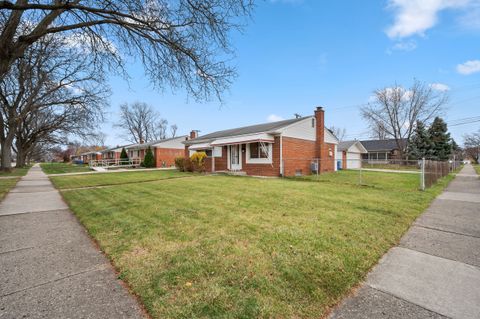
(416, 174)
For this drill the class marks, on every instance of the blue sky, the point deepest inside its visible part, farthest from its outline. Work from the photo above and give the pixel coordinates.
(297, 54)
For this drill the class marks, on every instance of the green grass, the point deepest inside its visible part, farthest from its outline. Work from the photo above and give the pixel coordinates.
(103, 179)
(60, 168)
(239, 247)
(399, 167)
(16, 171)
(6, 184)
(477, 168)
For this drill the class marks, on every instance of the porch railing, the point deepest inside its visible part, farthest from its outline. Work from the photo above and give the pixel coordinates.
(113, 163)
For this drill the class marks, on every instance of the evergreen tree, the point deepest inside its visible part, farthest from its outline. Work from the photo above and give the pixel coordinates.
(420, 144)
(149, 160)
(123, 154)
(441, 141)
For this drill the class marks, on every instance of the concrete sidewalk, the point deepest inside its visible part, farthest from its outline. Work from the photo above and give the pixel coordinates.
(49, 267)
(435, 272)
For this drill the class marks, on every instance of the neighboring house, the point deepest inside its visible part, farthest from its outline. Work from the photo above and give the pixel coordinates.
(349, 154)
(381, 151)
(91, 156)
(113, 153)
(284, 148)
(165, 151)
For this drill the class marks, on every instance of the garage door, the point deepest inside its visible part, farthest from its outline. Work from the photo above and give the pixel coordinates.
(354, 160)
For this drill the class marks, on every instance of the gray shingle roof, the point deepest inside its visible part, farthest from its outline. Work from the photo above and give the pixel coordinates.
(381, 145)
(147, 144)
(252, 129)
(345, 145)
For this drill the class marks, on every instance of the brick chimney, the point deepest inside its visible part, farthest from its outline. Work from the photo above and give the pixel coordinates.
(320, 130)
(193, 134)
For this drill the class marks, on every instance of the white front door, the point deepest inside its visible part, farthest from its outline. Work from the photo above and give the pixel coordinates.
(235, 159)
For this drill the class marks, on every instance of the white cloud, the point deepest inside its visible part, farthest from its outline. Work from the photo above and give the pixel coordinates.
(417, 16)
(406, 46)
(440, 87)
(274, 118)
(469, 67)
(471, 19)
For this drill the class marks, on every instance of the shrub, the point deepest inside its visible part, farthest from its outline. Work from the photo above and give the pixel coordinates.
(149, 160)
(180, 164)
(123, 156)
(198, 161)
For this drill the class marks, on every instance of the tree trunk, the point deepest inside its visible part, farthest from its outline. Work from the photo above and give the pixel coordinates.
(20, 157)
(7, 155)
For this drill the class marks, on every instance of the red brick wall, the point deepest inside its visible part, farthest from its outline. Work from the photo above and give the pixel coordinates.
(327, 163)
(167, 155)
(263, 169)
(220, 162)
(298, 155)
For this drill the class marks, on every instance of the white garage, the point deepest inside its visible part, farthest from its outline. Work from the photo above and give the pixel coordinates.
(349, 154)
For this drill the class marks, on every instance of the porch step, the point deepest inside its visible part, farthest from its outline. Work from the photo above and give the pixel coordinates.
(237, 173)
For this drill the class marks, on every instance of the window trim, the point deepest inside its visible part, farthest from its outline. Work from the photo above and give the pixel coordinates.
(267, 160)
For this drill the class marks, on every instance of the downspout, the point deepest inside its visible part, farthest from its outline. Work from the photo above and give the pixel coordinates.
(281, 154)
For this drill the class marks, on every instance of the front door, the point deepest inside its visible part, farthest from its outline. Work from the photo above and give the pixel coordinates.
(235, 162)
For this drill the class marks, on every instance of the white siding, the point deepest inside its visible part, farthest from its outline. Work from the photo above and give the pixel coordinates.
(302, 130)
(354, 160)
(173, 143)
(330, 138)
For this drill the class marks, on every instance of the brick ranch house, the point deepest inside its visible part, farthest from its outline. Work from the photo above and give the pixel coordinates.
(284, 148)
(91, 156)
(165, 151)
(113, 153)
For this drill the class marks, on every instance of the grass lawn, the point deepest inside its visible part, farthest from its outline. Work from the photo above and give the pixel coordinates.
(399, 167)
(16, 171)
(60, 168)
(477, 168)
(102, 179)
(6, 184)
(239, 247)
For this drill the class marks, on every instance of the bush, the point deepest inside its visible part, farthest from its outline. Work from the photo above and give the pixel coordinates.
(198, 161)
(180, 164)
(149, 159)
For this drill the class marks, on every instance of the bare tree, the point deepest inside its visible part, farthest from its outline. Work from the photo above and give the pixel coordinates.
(471, 143)
(141, 123)
(338, 132)
(396, 109)
(173, 130)
(51, 89)
(378, 131)
(179, 42)
(159, 130)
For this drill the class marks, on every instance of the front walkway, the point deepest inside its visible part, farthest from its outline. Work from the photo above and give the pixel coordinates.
(435, 271)
(49, 267)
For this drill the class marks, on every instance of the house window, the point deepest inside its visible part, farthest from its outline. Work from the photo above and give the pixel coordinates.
(313, 122)
(208, 152)
(257, 151)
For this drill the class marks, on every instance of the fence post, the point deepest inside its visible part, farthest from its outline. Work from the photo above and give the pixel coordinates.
(360, 176)
(422, 175)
